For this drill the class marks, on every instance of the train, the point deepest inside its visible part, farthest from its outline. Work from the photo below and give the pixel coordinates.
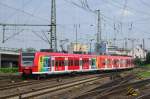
(49, 63)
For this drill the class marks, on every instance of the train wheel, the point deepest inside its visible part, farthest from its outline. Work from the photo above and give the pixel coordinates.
(37, 77)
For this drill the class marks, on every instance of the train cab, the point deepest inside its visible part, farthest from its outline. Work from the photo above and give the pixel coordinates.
(26, 63)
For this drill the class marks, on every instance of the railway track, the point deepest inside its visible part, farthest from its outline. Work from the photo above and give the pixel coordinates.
(144, 96)
(105, 91)
(9, 79)
(47, 89)
(123, 87)
(19, 84)
(50, 85)
(33, 82)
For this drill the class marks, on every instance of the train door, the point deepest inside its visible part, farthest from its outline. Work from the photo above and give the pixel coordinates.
(121, 63)
(73, 63)
(45, 64)
(76, 63)
(93, 63)
(98, 62)
(102, 62)
(85, 63)
(109, 63)
(70, 63)
(128, 63)
(59, 64)
(114, 63)
(124, 63)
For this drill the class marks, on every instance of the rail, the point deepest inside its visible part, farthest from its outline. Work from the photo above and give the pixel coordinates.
(48, 89)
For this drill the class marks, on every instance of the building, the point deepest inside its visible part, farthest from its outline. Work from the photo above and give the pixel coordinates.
(108, 49)
(138, 52)
(8, 57)
(78, 48)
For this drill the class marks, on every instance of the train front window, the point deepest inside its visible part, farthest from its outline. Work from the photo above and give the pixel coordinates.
(27, 59)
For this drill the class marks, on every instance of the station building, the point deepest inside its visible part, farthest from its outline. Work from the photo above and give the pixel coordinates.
(8, 57)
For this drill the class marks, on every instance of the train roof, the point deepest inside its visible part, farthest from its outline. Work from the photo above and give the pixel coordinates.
(63, 54)
(78, 55)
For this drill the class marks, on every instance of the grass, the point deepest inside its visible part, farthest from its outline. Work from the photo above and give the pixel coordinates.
(144, 71)
(144, 74)
(147, 65)
(8, 70)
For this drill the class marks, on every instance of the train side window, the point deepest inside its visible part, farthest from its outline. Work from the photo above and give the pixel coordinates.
(121, 61)
(87, 61)
(70, 62)
(129, 62)
(90, 62)
(46, 62)
(53, 62)
(103, 62)
(109, 61)
(66, 63)
(41, 59)
(62, 63)
(93, 62)
(80, 62)
(118, 62)
(115, 62)
(83, 62)
(76, 62)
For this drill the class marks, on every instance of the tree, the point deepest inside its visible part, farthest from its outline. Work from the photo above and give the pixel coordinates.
(138, 62)
(147, 58)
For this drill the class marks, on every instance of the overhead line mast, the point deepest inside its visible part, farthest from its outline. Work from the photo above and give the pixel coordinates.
(99, 32)
(53, 36)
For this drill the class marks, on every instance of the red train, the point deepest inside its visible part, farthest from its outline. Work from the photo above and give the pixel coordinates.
(55, 63)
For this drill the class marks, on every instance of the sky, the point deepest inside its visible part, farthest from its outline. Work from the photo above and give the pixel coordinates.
(120, 19)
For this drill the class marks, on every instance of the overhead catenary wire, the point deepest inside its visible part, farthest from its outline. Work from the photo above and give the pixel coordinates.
(119, 5)
(91, 11)
(47, 39)
(22, 11)
(88, 9)
(13, 35)
(39, 36)
(145, 3)
(14, 13)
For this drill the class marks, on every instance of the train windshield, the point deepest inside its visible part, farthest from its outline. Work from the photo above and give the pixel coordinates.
(27, 59)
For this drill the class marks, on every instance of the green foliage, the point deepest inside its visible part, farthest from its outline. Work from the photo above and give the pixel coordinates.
(138, 62)
(145, 74)
(147, 65)
(8, 70)
(147, 58)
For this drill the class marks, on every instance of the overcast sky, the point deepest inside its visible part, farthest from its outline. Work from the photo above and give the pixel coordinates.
(131, 19)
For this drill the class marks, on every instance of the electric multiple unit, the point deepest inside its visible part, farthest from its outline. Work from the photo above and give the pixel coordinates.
(56, 63)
